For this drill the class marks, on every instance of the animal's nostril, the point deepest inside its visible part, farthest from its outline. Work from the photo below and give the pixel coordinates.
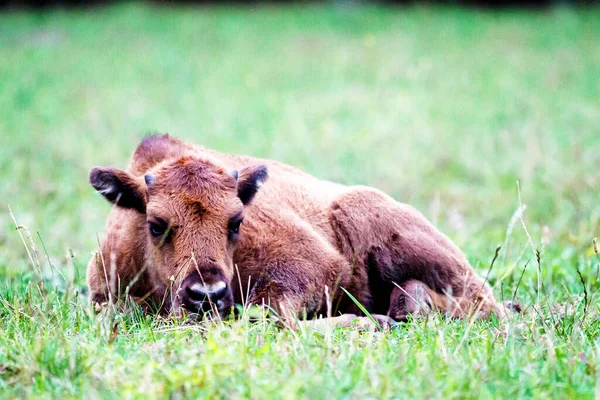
(195, 292)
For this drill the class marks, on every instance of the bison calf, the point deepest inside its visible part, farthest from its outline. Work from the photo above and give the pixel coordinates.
(196, 230)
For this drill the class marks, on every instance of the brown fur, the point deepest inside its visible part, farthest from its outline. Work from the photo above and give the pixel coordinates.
(302, 239)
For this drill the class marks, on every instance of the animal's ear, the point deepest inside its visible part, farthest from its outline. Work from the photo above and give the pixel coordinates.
(250, 180)
(119, 187)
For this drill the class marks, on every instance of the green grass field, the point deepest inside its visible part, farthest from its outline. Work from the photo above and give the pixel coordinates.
(443, 108)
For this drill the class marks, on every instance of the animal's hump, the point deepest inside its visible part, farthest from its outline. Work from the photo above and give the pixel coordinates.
(156, 148)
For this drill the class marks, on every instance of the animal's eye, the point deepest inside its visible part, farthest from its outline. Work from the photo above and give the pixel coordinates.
(234, 227)
(157, 229)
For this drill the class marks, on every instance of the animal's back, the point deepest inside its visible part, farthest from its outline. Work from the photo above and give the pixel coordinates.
(287, 186)
(288, 189)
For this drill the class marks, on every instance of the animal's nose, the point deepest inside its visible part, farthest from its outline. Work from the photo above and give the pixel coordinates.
(200, 292)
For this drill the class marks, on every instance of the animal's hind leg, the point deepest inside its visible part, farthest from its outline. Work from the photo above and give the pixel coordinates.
(410, 298)
(415, 298)
(395, 243)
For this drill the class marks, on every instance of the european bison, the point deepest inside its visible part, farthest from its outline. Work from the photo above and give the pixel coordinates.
(195, 230)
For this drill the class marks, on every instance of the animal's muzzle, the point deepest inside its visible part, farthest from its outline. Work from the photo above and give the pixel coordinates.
(199, 294)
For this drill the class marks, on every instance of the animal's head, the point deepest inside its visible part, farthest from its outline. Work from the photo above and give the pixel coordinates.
(192, 212)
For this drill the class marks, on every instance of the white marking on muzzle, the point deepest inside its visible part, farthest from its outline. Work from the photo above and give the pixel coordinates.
(208, 289)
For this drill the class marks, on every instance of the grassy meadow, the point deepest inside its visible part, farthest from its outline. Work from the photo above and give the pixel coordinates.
(488, 122)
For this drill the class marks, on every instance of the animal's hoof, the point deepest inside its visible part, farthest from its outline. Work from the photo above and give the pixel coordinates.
(378, 323)
(99, 307)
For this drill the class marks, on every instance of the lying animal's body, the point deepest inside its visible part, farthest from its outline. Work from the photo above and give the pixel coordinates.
(302, 239)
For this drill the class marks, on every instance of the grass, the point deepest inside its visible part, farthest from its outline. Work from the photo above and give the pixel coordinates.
(443, 108)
